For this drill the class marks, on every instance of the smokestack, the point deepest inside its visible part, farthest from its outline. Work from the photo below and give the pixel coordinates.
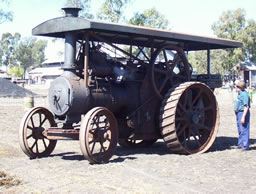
(70, 41)
(71, 11)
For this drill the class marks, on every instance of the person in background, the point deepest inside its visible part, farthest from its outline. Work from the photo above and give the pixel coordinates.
(242, 111)
(231, 85)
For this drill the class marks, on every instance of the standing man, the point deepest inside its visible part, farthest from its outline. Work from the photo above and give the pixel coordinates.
(242, 110)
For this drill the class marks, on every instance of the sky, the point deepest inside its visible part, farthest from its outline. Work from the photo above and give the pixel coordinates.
(186, 16)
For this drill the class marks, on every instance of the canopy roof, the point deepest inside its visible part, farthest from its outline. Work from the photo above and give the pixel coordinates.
(125, 34)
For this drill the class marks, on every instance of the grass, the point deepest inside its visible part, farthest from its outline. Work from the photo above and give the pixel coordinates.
(7, 180)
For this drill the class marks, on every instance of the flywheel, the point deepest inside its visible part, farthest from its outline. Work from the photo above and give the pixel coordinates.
(189, 118)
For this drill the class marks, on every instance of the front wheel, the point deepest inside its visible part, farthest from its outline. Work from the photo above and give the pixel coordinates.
(31, 139)
(98, 135)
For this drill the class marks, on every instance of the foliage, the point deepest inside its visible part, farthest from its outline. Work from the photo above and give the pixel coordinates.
(8, 46)
(249, 40)
(218, 61)
(30, 52)
(233, 25)
(17, 71)
(151, 18)
(198, 60)
(4, 14)
(230, 24)
(112, 10)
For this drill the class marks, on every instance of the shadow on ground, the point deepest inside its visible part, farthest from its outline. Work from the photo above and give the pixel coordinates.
(225, 143)
(159, 148)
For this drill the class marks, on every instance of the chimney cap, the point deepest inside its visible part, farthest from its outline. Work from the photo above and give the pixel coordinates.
(71, 11)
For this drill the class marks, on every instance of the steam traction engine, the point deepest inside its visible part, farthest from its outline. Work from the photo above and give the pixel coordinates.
(124, 84)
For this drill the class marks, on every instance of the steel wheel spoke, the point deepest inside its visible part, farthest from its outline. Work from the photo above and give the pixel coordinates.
(178, 112)
(90, 142)
(160, 71)
(32, 122)
(203, 126)
(182, 107)
(185, 140)
(37, 151)
(40, 119)
(42, 122)
(185, 99)
(102, 147)
(197, 97)
(205, 109)
(197, 140)
(34, 144)
(197, 131)
(163, 84)
(29, 136)
(165, 57)
(178, 76)
(93, 146)
(188, 135)
(182, 130)
(44, 143)
(180, 119)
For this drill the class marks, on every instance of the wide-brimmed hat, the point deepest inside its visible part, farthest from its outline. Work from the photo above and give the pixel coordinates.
(241, 84)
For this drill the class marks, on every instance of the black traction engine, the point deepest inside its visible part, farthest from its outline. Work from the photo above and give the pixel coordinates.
(123, 84)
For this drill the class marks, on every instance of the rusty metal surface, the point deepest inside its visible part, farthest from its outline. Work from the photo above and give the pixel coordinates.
(189, 118)
(163, 74)
(31, 139)
(129, 34)
(55, 133)
(98, 135)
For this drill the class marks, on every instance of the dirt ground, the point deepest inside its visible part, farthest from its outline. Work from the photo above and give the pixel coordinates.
(146, 170)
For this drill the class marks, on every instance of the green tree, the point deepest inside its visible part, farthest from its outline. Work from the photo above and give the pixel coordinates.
(112, 10)
(249, 40)
(8, 46)
(218, 61)
(151, 18)
(232, 25)
(30, 52)
(16, 72)
(5, 15)
(198, 60)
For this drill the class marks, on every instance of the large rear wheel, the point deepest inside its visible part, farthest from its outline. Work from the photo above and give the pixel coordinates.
(189, 118)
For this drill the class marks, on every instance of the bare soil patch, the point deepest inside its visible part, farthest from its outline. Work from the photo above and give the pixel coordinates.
(146, 170)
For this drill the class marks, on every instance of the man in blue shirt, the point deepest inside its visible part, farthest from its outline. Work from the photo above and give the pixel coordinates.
(242, 106)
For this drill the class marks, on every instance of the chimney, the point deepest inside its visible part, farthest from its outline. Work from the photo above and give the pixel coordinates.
(71, 11)
(70, 41)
